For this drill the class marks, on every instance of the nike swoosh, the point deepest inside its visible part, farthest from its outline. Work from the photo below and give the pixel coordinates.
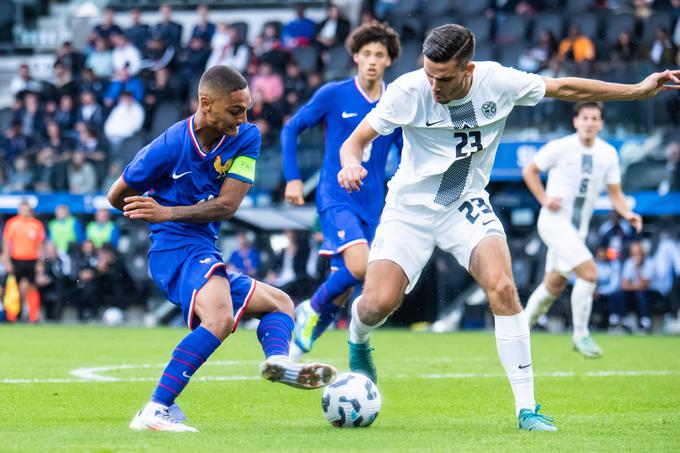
(521, 367)
(188, 376)
(349, 115)
(176, 176)
(488, 222)
(428, 124)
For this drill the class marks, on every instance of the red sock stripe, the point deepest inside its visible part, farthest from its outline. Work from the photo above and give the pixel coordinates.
(168, 388)
(269, 342)
(285, 331)
(174, 379)
(191, 353)
(183, 362)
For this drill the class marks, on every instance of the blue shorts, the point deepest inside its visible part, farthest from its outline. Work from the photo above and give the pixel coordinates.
(341, 229)
(182, 272)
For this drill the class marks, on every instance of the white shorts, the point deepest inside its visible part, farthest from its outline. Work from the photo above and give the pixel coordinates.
(566, 247)
(407, 235)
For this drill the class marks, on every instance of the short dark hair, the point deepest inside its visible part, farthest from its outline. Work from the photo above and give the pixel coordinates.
(589, 105)
(375, 32)
(448, 42)
(221, 81)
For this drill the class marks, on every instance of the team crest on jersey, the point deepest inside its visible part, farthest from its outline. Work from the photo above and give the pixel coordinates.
(489, 109)
(222, 169)
(341, 234)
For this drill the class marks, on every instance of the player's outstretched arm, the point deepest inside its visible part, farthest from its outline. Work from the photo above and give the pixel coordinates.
(532, 178)
(618, 200)
(222, 207)
(118, 191)
(579, 89)
(351, 152)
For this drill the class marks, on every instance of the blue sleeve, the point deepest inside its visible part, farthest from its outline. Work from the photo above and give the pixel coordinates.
(114, 90)
(243, 166)
(115, 234)
(79, 233)
(152, 163)
(309, 115)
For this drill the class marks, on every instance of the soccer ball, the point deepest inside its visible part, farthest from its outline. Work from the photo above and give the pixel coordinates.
(353, 400)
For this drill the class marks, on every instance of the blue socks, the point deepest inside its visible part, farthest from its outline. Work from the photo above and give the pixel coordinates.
(322, 300)
(187, 357)
(274, 332)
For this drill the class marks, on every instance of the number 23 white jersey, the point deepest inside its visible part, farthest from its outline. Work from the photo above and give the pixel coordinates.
(449, 149)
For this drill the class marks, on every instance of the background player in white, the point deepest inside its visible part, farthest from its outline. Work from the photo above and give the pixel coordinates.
(452, 113)
(579, 167)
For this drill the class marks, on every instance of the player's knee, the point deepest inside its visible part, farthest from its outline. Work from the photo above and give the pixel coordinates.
(589, 273)
(284, 303)
(502, 292)
(555, 287)
(376, 305)
(219, 322)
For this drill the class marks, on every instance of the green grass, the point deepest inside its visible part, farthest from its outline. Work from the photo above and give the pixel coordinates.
(464, 412)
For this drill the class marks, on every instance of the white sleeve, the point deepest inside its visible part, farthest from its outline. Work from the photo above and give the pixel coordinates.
(523, 88)
(547, 156)
(395, 109)
(613, 175)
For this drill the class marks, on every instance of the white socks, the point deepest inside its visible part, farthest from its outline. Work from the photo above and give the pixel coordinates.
(358, 331)
(581, 306)
(514, 350)
(539, 303)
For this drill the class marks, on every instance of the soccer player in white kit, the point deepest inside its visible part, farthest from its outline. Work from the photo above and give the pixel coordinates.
(452, 112)
(579, 167)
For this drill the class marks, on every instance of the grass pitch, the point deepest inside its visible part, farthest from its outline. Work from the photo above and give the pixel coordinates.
(77, 388)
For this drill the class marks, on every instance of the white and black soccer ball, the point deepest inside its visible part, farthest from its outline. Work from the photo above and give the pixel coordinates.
(353, 400)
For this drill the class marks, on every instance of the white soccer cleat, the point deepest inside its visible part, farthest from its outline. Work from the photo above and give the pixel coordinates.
(295, 354)
(156, 417)
(177, 413)
(299, 375)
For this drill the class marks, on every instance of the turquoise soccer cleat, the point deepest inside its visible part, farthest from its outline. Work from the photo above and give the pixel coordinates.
(587, 347)
(360, 360)
(533, 421)
(305, 322)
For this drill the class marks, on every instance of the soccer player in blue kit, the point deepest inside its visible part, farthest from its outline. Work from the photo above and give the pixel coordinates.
(196, 174)
(348, 221)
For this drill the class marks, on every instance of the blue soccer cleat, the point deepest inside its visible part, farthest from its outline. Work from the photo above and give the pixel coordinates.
(533, 421)
(361, 361)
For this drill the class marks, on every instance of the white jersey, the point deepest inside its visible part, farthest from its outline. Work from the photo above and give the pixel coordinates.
(449, 149)
(576, 174)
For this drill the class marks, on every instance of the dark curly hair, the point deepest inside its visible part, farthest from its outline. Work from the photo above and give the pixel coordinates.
(375, 32)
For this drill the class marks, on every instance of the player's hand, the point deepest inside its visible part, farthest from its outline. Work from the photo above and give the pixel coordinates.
(350, 177)
(145, 208)
(295, 193)
(658, 82)
(635, 221)
(553, 204)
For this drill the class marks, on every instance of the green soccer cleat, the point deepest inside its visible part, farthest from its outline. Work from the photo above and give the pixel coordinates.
(588, 348)
(533, 421)
(305, 322)
(360, 360)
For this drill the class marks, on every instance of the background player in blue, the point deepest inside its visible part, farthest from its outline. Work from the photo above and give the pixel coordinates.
(348, 221)
(196, 175)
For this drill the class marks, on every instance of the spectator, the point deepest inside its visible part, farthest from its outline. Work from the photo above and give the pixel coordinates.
(66, 115)
(23, 81)
(608, 292)
(537, 57)
(81, 175)
(107, 27)
(113, 172)
(228, 49)
(64, 230)
(90, 112)
(168, 31)
(125, 119)
(63, 81)
(289, 269)
(125, 55)
(191, 61)
(54, 282)
(162, 89)
(204, 29)
(158, 54)
(246, 258)
(20, 177)
(666, 261)
(49, 172)
(615, 234)
(314, 81)
(577, 48)
(662, 50)
(90, 144)
(265, 117)
(636, 277)
(268, 83)
(334, 29)
(70, 58)
(22, 245)
(102, 230)
(90, 82)
(17, 142)
(300, 31)
(100, 60)
(138, 33)
(56, 141)
(86, 294)
(124, 82)
(294, 80)
(31, 117)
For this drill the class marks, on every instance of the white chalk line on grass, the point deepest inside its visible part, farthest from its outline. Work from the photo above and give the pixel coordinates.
(93, 374)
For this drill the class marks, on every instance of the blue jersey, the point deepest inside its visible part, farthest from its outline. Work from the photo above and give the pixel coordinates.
(341, 106)
(176, 171)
